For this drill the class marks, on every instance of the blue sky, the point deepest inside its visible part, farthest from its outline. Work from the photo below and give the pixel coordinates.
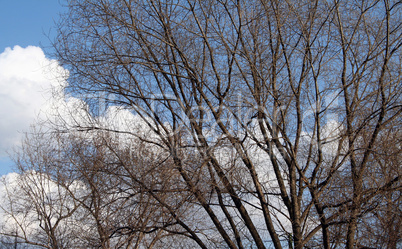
(23, 23)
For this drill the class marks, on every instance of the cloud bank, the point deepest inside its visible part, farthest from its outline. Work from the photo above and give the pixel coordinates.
(26, 80)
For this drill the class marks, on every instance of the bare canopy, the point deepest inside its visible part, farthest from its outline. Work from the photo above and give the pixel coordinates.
(277, 123)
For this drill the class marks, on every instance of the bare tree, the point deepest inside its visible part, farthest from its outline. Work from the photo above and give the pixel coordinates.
(271, 118)
(299, 93)
(84, 190)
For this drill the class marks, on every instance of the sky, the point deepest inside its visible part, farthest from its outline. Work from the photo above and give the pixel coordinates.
(26, 70)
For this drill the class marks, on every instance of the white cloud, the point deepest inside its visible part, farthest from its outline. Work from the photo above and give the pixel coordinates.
(26, 77)
(32, 89)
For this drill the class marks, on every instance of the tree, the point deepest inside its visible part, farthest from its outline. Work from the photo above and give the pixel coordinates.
(76, 191)
(272, 117)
